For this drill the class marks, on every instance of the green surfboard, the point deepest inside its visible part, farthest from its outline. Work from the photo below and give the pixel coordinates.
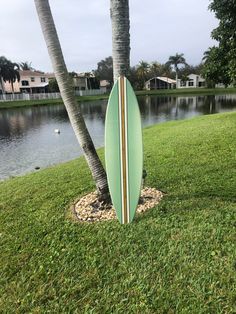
(123, 149)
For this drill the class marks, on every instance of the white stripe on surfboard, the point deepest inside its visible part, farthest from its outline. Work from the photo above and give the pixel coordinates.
(121, 158)
(124, 204)
(126, 143)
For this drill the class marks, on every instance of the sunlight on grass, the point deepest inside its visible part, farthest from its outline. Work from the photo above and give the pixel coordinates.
(178, 257)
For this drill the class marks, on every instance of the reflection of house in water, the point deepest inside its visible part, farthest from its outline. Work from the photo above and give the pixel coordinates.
(160, 82)
(156, 108)
(94, 110)
(186, 101)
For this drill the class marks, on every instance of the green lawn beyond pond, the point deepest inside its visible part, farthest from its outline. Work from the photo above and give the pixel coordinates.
(177, 258)
(161, 92)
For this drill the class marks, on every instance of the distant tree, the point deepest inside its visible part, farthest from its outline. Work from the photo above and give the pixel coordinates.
(26, 66)
(9, 72)
(3, 71)
(225, 34)
(53, 86)
(143, 72)
(216, 68)
(104, 70)
(72, 74)
(190, 69)
(175, 61)
(155, 69)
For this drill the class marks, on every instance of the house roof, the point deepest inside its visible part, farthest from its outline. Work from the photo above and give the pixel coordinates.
(104, 83)
(164, 79)
(31, 73)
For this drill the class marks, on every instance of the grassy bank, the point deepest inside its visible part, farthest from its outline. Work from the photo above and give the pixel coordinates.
(177, 258)
(43, 102)
(188, 91)
(180, 92)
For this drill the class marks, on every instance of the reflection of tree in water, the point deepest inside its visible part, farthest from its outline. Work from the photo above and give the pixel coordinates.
(17, 122)
(93, 110)
(226, 101)
(156, 105)
(206, 104)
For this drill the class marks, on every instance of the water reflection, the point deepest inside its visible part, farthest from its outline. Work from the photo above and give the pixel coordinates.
(27, 137)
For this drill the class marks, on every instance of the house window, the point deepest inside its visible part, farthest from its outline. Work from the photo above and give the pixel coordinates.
(190, 83)
(182, 83)
(43, 79)
(32, 79)
(25, 83)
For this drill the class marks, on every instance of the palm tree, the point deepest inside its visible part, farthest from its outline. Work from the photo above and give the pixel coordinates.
(207, 54)
(14, 74)
(26, 66)
(3, 66)
(143, 69)
(175, 61)
(155, 68)
(67, 93)
(9, 72)
(119, 10)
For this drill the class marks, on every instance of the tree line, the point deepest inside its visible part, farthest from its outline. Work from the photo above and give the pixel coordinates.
(220, 60)
(176, 67)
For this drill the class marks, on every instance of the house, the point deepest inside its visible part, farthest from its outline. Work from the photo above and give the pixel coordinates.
(35, 82)
(31, 82)
(160, 82)
(85, 81)
(193, 81)
(105, 86)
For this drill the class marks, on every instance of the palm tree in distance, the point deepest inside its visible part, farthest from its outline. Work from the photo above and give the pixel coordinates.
(14, 74)
(143, 69)
(3, 70)
(9, 72)
(67, 93)
(120, 37)
(207, 54)
(26, 66)
(175, 61)
(155, 68)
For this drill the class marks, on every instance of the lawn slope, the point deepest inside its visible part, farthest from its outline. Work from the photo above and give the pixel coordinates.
(177, 258)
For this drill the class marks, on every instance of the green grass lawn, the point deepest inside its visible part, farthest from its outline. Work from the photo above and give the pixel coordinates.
(177, 258)
(181, 92)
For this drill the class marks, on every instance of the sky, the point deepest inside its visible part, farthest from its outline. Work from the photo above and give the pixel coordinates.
(158, 29)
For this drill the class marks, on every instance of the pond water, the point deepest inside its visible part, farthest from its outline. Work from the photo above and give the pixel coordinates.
(28, 140)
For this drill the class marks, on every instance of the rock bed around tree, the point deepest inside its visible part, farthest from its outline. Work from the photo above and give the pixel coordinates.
(89, 209)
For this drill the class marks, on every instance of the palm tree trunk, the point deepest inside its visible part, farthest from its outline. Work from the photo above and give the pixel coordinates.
(120, 37)
(67, 93)
(12, 88)
(176, 77)
(2, 85)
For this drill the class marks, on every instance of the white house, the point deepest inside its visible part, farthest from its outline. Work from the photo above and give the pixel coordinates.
(30, 82)
(160, 82)
(194, 81)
